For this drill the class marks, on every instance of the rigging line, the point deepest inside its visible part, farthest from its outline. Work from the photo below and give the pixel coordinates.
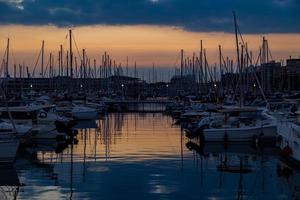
(257, 80)
(78, 52)
(177, 59)
(3, 62)
(2, 68)
(36, 63)
(226, 67)
(54, 66)
(209, 72)
(46, 67)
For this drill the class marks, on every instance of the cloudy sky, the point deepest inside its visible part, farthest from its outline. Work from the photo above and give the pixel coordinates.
(148, 30)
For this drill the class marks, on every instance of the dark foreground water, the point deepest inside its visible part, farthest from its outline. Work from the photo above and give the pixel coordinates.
(144, 156)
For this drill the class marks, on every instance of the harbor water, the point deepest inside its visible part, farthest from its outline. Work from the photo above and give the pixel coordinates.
(146, 156)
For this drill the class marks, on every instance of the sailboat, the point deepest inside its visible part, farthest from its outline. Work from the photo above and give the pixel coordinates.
(80, 112)
(239, 124)
(289, 130)
(10, 144)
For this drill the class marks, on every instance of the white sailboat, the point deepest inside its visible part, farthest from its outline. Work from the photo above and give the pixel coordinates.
(41, 122)
(239, 125)
(289, 130)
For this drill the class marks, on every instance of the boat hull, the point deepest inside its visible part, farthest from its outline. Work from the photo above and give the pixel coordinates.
(8, 151)
(239, 134)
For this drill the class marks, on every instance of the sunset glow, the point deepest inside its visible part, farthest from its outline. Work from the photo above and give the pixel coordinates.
(144, 44)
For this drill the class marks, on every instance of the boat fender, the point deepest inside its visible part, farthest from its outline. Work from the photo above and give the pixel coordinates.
(286, 151)
(43, 115)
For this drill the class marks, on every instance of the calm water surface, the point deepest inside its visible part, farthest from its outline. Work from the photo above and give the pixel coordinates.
(145, 156)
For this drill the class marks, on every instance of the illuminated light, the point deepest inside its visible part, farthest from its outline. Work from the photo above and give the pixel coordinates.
(31, 86)
(122, 85)
(81, 86)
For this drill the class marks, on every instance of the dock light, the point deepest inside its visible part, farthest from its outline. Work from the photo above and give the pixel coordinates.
(30, 85)
(167, 85)
(254, 85)
(81, 86)
(122, 85)
(215, 85)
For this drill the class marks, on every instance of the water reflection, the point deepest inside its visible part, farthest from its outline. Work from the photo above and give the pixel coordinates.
(145, 156)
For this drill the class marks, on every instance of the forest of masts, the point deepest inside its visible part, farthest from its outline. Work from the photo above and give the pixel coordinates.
(79, 65)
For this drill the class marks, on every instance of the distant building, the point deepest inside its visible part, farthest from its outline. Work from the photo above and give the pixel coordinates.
(271, 76)
(293, 73)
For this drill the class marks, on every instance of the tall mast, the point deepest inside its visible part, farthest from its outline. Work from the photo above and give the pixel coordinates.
(71, 55)
(42, 67)
(201, 62)
(193, 66)
(221, 66)
(59, 66)
(84, 65)
(220, 61)
(67, 59)
(205, 69)
(61, 61)
(7, 59)
(238, 55)
(181, 66)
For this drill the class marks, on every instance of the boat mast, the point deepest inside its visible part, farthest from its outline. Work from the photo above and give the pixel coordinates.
(201, 64)
(42, 64)
(61, 61)
(7, 59)
(221, 68)
(238, 56)
(71, 55)
(71, 61)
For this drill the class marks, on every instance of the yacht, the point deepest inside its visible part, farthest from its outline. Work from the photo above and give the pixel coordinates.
(79, 112)
(40, 118)
(289, 131)
(236, 124)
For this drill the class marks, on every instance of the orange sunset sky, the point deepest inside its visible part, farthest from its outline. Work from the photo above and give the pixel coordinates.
(144, 44)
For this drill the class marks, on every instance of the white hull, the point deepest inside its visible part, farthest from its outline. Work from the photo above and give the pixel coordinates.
(44, 131)
(244, 134)
(8, 150)
(290, 133)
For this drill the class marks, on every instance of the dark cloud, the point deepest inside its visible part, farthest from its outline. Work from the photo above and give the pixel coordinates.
(255, 16)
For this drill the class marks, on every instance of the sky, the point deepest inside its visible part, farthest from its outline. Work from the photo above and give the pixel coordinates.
(148, 31)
